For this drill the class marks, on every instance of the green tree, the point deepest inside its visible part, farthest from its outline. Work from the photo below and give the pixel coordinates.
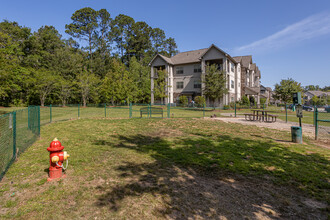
(285, 89)
(87, 84)
(84, 24)
(117, 86)
(140, 81)
(315, 100)
(245, 101)
(215, 83)
(160, 85)
(183, 100)
(139, 41)
(121, 29)
(200, 101)
(43, 83)
(171, 47)
(311, 88)
(158, 40)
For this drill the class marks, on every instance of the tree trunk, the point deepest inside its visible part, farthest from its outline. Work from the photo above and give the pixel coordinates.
(84, 101)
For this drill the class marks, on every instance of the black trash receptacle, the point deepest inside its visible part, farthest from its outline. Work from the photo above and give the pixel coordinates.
(296, 134)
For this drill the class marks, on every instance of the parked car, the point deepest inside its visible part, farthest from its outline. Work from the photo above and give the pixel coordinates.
(291, 106)
(308, 108)
(327, 109)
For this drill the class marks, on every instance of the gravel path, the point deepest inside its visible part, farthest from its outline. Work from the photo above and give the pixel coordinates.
(308, 130)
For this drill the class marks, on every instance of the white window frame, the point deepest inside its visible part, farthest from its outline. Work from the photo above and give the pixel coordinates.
(197, 82)
(197, 68)
(232, 67)
(178, 83)
(179, 70)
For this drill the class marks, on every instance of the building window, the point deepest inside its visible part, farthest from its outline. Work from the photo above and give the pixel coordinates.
(197, 84)
(197, 68)
(232, 84)
(179, 70)
(232, 67)
(179, 85)
(232, 99)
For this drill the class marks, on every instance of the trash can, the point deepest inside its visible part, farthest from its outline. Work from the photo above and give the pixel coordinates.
(296, 134)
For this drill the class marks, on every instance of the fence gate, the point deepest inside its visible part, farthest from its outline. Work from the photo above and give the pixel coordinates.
(320, 117)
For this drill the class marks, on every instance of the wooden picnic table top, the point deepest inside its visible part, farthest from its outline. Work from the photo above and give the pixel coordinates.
(258, 110)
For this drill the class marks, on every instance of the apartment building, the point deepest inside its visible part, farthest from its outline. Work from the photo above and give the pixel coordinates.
(250, 77)
(185, 71)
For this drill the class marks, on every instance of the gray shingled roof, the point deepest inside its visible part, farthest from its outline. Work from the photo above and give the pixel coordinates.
(258, 72)
(244, 60)
(188, 57)
(253, 66)
(238, 59)
(168, 60)
(251, 90)
(318, 93)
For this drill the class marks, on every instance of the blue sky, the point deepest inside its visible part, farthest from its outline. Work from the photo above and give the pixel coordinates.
(287, 38)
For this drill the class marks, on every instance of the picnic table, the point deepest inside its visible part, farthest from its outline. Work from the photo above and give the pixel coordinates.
(261, 115)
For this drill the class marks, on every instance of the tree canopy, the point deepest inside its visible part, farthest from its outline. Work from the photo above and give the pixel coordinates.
(105, 60)
(285, 89)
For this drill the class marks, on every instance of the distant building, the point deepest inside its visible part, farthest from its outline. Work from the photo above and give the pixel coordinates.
(250, 77)
(185, 71)
(310, 94)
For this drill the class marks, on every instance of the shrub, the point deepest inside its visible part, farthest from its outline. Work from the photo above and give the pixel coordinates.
(263, 101)
(226, 107)
(245, 100)
(232, 105)
(200, 101)
(183, 100)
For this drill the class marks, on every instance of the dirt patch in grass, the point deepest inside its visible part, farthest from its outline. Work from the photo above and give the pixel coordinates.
(166, 132)
(188, 194)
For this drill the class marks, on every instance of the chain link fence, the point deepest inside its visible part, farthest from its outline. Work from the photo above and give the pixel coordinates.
(18, 131)
(21, 128)
(321, 123)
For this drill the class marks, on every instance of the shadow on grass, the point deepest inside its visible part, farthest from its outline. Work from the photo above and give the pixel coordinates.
(194, 176)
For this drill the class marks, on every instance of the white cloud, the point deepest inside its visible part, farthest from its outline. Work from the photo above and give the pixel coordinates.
(308, 28)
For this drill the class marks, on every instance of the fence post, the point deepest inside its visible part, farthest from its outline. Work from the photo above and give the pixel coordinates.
(149, 108)
(316, 124)
(168, 110)
(78, 111)
(38, 121)
(105, 110)
(235, 109)
(286, 113)
(14, 135)
(203, 110)
(130, 110)
(29, 118)
(314, 115)
(50, 113)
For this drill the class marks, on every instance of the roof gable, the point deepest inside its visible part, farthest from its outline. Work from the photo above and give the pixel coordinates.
(188, 57)
(223, 52)
(166, 59)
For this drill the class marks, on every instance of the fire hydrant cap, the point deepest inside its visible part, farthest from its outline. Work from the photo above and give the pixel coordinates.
(55, 145)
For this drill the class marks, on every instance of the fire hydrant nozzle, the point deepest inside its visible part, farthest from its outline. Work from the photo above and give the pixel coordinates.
(57, 157)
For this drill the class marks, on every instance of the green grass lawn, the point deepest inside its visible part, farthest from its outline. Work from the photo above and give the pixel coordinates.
(171, 168)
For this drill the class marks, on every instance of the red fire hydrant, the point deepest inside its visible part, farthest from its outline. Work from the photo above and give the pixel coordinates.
(56, 159)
